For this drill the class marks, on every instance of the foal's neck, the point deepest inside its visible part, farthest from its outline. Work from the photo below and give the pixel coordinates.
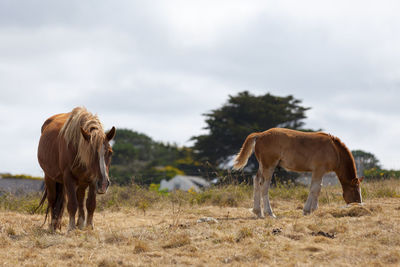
(346, 168)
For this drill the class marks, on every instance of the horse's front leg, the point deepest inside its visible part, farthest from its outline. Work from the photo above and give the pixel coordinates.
(80, 194)
(257, 195)
(315, 189)
(70, 189)
(91, 205)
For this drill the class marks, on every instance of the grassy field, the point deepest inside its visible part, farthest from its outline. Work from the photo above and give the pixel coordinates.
(137, 227)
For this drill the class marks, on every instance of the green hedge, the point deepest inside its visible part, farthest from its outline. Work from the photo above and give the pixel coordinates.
(376, 173)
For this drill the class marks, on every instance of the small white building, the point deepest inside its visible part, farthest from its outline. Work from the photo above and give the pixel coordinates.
(184, 183)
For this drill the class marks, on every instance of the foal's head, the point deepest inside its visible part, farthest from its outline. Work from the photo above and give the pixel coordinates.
(100, 164)
(352, 191)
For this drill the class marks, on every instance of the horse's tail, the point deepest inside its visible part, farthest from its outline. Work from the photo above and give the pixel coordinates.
(58, 206)
(41, 205)
(245, 152)
(42, 200)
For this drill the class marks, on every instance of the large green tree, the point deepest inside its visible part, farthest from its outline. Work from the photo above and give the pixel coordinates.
(229, 125)
(365, 160)
(137, 158)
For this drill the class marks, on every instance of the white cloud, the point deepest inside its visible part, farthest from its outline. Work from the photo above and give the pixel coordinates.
(156, 66)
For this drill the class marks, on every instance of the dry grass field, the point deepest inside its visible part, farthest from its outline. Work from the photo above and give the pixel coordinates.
(136, 227)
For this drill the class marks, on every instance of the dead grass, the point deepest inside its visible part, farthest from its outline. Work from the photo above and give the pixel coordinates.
(352, 211)
(168, 233)
(177, 240)
(140, 247)
(244, 233)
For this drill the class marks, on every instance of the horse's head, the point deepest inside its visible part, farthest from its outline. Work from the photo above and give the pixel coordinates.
(101, 162)
(352, 192)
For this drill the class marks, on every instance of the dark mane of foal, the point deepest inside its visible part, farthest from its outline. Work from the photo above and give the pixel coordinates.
(347, 167)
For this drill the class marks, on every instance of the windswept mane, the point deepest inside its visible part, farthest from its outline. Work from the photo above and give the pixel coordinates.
(71, 131)
(347, 165)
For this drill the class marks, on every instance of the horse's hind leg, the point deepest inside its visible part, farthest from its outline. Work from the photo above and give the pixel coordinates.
(80, 194)
(315, 188)
(257, 194)
(51, 201)
(266, 181)
(91, 205)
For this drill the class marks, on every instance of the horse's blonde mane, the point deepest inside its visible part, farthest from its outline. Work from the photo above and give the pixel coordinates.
(71, 131)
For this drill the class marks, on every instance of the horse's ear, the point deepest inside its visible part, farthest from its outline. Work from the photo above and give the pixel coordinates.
(111, 133)
(354, 181)
(85, 134)
(361, 179)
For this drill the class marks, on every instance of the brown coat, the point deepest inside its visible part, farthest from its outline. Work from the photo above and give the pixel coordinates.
(318, 153)
(74, 153)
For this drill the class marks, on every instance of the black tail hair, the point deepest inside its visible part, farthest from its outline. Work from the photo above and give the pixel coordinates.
(41, 204)
(59, 205)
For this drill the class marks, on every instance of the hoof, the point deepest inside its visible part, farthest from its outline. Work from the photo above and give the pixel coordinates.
(52, 229)
(90, 225)
(71, 228)
(257, 213)
(81, 224)
(306, 212)
(53, 226)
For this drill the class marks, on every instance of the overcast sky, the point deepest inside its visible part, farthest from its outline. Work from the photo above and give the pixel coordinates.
(157, 66)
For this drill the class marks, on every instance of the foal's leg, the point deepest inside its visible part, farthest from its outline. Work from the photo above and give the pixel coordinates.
(80, 194)
(257, 194)
(91, 205)
(315, 188)
(70, 188)
(267, 175)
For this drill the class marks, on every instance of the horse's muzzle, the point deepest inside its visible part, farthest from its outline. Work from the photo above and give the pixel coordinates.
(102, 187)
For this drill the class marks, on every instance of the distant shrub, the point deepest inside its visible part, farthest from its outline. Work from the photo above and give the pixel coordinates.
(376, 173)
(156, 188)
(144, 198)
(331, 195)
(20, 176)
(289, 190)
(24, 203)
(134, 196)
(386, 192)
(230, 195)
(167, 172)
(381, 189)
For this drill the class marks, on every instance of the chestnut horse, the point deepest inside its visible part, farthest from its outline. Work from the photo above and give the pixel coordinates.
(318, 153)
(74, 153)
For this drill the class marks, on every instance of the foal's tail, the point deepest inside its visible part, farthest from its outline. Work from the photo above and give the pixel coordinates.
(245, 152)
